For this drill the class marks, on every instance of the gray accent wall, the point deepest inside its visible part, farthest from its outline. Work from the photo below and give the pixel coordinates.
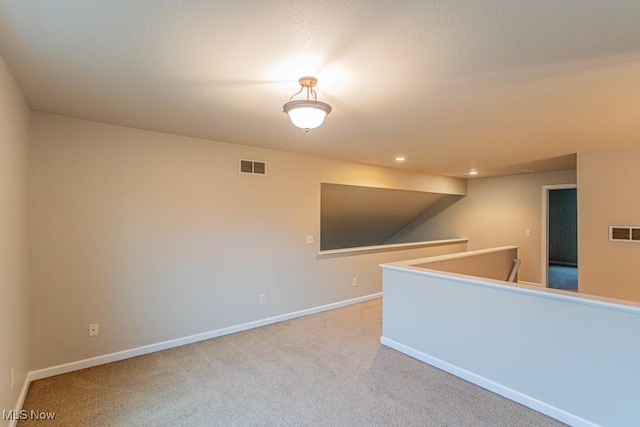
(353, 216)
(563, 227)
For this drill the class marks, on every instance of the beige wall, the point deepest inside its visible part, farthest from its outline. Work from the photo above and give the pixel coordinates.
(157, 236)
(608, 195)
(489, 264)
(14, 321)
(496, 212)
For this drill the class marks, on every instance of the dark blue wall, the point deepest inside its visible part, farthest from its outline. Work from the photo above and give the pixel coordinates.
(563, 226)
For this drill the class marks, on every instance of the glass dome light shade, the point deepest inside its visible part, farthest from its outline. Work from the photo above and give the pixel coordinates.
(307, 114)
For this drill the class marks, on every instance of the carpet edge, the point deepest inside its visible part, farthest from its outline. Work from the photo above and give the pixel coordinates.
(490, 385)
(177, 342)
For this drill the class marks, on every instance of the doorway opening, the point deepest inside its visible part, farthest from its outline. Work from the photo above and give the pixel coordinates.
(560, 239)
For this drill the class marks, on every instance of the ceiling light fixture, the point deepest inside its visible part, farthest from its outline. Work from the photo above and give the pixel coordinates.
(400, 159)
(307, 113)
(473, 172)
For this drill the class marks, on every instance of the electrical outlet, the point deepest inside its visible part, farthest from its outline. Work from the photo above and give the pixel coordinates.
(11, 377)
(309, 239)
(93, 329)
(354, 283)
(527, 233)
(263, 298)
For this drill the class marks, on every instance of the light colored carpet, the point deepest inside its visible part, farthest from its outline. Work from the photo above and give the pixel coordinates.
(327, 369)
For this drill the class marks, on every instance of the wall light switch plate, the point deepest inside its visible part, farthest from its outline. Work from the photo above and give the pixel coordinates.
(309, 239)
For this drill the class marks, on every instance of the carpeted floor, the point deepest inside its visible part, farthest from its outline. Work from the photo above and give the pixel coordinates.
(327, 369)
(563, 277)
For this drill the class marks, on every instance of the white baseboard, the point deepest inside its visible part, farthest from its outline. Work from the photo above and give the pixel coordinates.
(485, 383)
(21, 397)
(152, 348)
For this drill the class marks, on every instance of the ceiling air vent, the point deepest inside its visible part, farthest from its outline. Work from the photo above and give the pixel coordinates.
(253, 167)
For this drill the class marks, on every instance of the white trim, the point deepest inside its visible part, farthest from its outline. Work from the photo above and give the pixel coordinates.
(536, 289)
(545, 227)
(391, 247)
(152, 348)
(446, 257)
(21, 397)
(485, 383)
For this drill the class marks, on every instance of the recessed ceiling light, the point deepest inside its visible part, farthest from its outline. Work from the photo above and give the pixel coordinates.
(473, 172)
(400, 159)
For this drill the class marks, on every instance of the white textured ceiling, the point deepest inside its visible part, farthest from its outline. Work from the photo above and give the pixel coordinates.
(499, 85)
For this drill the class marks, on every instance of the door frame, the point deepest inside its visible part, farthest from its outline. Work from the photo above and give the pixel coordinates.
(545, 227)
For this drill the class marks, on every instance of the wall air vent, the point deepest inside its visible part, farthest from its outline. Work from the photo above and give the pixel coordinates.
(624, 233)
(253, 167)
